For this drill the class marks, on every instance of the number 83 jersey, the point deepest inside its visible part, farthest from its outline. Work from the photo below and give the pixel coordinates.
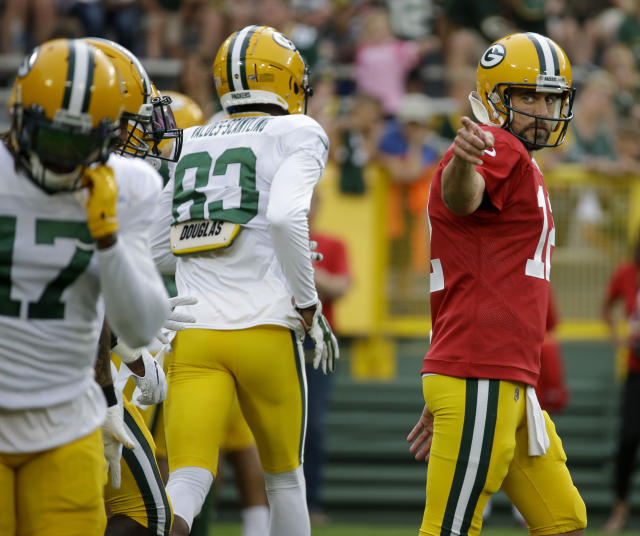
(213, 217)
(490, 270)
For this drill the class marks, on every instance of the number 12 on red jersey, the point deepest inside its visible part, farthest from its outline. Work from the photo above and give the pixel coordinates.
(536, 267)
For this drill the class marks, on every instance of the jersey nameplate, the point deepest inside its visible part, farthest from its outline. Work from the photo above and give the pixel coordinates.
(202, 235)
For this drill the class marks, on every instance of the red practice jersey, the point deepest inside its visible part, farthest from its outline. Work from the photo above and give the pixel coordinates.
(335, 261)
(490, 270)
(623, 286)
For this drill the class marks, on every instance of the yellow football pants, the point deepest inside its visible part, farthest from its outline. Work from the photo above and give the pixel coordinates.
(58, 491)
(480, 445)
(263, 367)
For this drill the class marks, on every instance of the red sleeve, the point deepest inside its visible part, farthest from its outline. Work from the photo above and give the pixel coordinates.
(500, 164)
(334, 251)
(552, 389)
(616, 283)
(339, 264)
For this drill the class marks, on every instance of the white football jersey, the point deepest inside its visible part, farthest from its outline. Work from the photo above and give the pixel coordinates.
(51, 309)
(226, 173)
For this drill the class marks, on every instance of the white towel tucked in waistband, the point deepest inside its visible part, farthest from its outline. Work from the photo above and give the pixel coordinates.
(538, 437)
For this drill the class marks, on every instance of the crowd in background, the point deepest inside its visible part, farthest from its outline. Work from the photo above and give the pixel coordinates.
(366, 56)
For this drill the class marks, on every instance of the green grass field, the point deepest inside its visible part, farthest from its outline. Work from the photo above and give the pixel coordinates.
(233, 529)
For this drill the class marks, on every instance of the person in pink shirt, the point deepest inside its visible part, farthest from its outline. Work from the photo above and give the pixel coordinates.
(383, 62)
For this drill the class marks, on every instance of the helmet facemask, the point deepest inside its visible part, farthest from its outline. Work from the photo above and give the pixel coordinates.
(163, 127)
(54, 153)
(501, 101)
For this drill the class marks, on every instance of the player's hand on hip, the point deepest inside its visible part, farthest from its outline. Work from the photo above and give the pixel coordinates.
(114, 437)
(326, 345)
(102, 219)
(421, 436)
(471, 141)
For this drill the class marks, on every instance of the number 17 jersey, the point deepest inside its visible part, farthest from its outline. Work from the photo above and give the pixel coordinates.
(490, 270)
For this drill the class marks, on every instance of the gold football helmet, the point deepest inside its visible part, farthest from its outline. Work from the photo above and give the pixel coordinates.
(186, 113)
(185, 110)
(259, 65)
(65, 112)
(523, 60)
(147, 113)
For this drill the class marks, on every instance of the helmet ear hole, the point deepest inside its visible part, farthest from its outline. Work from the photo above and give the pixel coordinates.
(295, 88)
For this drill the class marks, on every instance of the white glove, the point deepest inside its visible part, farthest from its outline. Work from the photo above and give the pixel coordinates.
(177, 321)
(114, 436)
(326, 350)
(315, 255)
(153, 385)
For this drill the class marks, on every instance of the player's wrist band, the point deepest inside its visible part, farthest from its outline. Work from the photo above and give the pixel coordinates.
(110, 395)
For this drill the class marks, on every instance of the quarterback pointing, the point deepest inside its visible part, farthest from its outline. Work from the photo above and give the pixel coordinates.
(247, 181)
(74, 248)
(492, 235)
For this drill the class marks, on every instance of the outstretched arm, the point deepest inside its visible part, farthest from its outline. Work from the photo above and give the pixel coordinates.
(462, 186)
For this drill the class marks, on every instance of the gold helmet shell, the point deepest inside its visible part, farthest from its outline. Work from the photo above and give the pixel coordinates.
(259, 65)
(65, 110)
(148, 116)
(523, 60)
(186, 113)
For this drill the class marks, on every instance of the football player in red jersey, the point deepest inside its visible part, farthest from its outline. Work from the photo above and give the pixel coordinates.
(623, 290)
(492, 234)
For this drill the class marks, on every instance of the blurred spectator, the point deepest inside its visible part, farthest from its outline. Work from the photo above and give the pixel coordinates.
(582, 28)
(324, 105)
(355, 140)
(460, 82)
(410, 150)
(26, 23)
(628, 143)
(333, 279)
(481, 16)
(421, 21)
(279, 15)
(623, 289)
(619, 62)
(383, 62)
(196, 81)
(593, 141)
(629, 29)
(552, 389)
(414, 19)
(179, 27)
(118, 20)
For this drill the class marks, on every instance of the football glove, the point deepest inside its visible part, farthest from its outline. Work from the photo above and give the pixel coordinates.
(114, 437)
(101, 204)
(326, 350)
(176, 320)
(153, 385)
